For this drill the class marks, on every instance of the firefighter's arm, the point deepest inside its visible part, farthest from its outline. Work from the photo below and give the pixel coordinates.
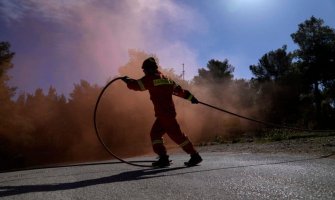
(134, 84)
(180, 92)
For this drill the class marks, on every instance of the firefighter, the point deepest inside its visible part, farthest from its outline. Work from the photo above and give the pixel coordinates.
(161, 90)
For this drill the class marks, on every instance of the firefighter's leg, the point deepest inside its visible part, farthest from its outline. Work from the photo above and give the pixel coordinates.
(172, 128)
(156, 134)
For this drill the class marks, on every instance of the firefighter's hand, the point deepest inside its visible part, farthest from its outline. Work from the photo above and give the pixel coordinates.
(194, 100)
(126, 79)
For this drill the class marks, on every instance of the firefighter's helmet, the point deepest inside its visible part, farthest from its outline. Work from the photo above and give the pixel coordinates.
(150, 64)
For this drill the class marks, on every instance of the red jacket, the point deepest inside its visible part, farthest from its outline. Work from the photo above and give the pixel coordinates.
(161, 90)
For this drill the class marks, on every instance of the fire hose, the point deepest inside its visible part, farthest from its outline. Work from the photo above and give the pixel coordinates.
(202, 103)
(264, 122)
(98, 133)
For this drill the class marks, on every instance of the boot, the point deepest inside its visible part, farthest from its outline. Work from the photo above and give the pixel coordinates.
(163, 161)
(195, 159)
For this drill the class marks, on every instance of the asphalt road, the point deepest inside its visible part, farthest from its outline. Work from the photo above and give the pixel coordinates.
(220, 176)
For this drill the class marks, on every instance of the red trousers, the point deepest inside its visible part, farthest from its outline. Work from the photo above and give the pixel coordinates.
(170, 126)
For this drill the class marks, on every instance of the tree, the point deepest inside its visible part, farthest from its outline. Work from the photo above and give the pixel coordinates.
(6, 57)
(277, 82)
(218, 72)
(6, 92)
(316, 59)
(273, 66)
(8, 118)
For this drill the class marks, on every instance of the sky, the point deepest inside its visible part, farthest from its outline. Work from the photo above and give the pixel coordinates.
(60, 42)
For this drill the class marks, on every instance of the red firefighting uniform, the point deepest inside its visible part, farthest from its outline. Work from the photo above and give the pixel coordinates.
(161, 90)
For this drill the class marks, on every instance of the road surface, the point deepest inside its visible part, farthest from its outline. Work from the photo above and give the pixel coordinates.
(220, 176)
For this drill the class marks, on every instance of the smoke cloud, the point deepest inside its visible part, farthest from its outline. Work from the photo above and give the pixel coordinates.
(90, 39)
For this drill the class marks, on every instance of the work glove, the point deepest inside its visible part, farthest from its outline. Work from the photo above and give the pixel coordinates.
(126, 79)
(194, 100)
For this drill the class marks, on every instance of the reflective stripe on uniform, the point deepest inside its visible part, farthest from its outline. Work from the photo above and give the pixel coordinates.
(158, 82)
(140, 83)
(184, 143)
(157, 142)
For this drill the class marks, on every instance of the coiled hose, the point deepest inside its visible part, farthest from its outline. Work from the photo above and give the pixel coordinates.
(98, 133)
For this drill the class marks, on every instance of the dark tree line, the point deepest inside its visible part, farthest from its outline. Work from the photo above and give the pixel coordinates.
(301, 83)
(295, 88)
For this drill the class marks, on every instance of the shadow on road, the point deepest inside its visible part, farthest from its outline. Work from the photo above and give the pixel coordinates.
(71, 165)
(124, 176)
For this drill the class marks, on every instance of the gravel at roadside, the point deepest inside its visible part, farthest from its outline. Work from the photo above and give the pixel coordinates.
(322, 146)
